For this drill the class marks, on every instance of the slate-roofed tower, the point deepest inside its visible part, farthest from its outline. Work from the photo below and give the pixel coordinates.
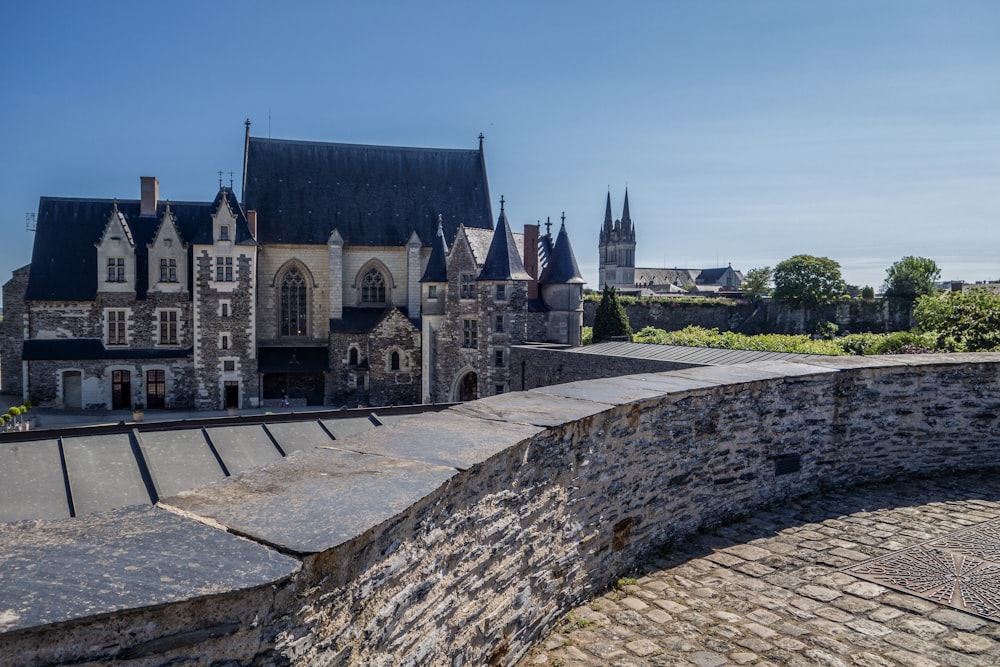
(617, 248)
(561, 287)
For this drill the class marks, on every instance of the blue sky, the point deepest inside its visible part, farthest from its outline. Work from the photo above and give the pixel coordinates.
(746, 131)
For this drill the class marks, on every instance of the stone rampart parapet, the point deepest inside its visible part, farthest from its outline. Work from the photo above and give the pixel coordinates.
(460, 537)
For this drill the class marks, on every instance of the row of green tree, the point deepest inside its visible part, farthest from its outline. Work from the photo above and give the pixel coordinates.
(809, 282)
(966, 321)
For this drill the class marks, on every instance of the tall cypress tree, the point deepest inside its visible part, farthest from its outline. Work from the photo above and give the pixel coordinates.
(611, 320)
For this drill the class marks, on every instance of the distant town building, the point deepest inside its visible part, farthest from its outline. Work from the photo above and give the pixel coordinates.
(617, 267)
(348, 274)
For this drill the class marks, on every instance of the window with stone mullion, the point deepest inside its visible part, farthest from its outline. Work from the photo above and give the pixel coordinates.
(293, 304)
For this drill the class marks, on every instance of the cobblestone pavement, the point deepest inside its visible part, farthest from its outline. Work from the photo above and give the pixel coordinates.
(770, 590)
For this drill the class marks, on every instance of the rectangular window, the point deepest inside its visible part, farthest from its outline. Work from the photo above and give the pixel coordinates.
(116, 327)
(501, 292)
(224, 342)
(432, 291)
(467, 286)
(224, 233)
(224, 309)
(168, 270)
(168, 327)
(224, 269)
(116, 269)
(229, 365)
(498, 358)
(498, 324)
(469, 334)
(498, 388)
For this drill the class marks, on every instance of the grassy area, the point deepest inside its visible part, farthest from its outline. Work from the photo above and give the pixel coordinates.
(900, 342)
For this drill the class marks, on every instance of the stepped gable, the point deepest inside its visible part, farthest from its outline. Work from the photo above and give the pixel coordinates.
(372, 195)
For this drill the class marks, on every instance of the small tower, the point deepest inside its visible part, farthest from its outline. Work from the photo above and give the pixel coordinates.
(561, 287)
(617, 248)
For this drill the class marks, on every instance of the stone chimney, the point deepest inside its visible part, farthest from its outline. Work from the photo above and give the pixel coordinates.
(252, 223)
(150, 191)
(531, 258)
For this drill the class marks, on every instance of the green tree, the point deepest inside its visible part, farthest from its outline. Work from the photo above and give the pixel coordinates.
(967, 321)
(807, 282)
(911, 277)
(867, 292)
(757, 282)
(611, 320)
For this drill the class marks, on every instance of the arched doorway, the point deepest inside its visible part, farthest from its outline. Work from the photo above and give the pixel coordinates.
(467, 387)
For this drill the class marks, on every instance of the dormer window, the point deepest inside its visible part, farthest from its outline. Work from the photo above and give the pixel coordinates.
(116, 269)
(224, 233)
(168, 270)
(467, 286)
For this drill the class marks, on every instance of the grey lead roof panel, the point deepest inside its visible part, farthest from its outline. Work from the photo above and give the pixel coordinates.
(344, 428)
(295, 436)
(242, 447)
(701, 356)
(179, 460)
(372, 195)
(31, 481)
(103, 473)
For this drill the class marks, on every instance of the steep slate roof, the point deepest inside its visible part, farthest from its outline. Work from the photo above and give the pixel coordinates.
(503, 261)
(64, 257)
(562, 267)
(373, 195)
(437, 266)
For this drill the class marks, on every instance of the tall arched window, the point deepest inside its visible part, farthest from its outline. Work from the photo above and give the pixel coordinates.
(373, 288)
(294, 305)
(394, 361)
(352, 357)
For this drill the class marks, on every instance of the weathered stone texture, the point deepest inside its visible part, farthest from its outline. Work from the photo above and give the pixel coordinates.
(11, 342)
(481, 567)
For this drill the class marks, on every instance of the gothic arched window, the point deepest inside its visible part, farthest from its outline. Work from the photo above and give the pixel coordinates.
(394, 361)
(294, 304)
(373, 288)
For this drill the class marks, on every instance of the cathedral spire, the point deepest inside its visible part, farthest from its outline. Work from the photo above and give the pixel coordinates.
(608, 222)
(626, 218)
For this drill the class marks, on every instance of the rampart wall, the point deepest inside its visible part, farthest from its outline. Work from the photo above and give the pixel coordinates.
(459, 537)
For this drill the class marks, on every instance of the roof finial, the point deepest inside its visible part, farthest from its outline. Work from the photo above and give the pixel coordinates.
(548, 226)
(481, 137)
(501, 203)
(440, 221)
(220, 179)
(564, 219)
(230, 180)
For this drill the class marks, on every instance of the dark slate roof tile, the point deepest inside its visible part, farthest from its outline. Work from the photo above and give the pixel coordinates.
(71, 349)
(437, 265)
(373, 195)
(503, 261)
(561, 266)
(64, 257)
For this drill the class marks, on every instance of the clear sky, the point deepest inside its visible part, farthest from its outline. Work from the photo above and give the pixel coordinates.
(747, 131)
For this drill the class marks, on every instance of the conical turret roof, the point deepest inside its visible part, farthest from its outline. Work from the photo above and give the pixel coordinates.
(437, 266)
(503, 262)
(562, 266)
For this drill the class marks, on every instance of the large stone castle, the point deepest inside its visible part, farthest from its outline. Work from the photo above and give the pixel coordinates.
(348, 274)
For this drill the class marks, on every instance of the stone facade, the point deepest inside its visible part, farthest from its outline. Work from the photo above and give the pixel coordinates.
(318, 296)
(14, 322)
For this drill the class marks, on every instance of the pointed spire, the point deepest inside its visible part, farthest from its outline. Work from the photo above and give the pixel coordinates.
(562, 266)
(607, 215)
(503, 261)
(437, 265)
(626, 218)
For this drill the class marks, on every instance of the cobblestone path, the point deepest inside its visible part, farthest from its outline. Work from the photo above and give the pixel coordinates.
(770, 590)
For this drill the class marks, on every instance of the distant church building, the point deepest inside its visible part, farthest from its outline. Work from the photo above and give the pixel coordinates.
(616, 252)
(348, 274)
